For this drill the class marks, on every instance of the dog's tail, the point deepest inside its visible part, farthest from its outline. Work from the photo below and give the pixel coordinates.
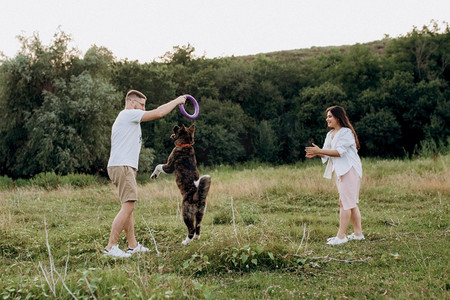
(203, 184)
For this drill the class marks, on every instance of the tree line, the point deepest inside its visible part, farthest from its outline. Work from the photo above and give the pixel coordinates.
(58, 105)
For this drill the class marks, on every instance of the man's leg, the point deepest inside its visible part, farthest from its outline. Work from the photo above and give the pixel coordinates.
(121, 220)
(129, 232)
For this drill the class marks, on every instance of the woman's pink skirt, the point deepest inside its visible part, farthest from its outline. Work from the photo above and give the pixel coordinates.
(348, 187)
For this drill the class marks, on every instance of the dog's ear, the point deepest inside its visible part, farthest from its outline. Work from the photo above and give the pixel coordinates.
(192, 129)
(176, 128)
(183, 129)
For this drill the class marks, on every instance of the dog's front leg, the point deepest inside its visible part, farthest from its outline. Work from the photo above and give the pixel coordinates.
(158, 170)
(167, 168)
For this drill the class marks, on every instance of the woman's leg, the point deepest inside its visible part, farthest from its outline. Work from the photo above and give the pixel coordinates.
(356, 221)
(344, 220)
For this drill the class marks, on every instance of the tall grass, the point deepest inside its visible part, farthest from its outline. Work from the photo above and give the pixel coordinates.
(263, 237)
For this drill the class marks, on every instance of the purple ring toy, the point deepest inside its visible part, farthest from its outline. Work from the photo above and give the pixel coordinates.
(197, 109)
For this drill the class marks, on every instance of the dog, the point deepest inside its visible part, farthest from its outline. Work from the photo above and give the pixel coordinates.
(193, 188)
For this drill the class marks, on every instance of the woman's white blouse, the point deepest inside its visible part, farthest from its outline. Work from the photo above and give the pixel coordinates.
(344, 142)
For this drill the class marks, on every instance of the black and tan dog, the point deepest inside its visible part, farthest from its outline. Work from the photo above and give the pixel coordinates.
(193, 188)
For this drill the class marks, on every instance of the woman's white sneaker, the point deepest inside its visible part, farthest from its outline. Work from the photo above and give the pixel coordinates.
(336, 241)
(116, 252)
(355, 237)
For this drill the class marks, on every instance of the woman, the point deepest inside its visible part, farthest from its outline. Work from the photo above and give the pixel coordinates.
(340, 149)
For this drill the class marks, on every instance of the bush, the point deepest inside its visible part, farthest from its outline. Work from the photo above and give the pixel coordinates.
(47, 180)
(6, 183)
(79, 180)
(143, 178)
(248, 257)
(430, 148)
(146, 158)
(20, 182)
(50, 180)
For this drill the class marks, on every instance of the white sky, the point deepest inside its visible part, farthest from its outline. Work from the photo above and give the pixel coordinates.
(144, 30)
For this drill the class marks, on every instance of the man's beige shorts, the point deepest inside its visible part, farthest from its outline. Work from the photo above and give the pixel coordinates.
(124, 178)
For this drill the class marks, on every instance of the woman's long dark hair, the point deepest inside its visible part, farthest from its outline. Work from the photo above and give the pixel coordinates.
(339, 113)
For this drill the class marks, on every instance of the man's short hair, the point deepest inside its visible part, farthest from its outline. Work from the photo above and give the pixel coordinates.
(134, 94)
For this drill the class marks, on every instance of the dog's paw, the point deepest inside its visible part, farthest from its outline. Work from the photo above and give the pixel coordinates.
(187, 241)
(158, 170)
(196, 237)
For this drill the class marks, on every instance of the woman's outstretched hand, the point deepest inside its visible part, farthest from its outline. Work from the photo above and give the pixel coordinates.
(312, 151)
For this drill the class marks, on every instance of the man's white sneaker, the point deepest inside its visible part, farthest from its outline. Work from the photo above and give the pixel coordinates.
(336, 241)
(116, 252)
(138, 248)
(355, 237)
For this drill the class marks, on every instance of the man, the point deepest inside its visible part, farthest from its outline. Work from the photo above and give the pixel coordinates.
(126, 140)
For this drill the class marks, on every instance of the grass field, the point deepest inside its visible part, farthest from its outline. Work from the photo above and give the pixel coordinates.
(263, 237)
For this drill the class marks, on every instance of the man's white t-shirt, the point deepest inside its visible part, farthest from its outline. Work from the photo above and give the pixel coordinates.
(126, 139)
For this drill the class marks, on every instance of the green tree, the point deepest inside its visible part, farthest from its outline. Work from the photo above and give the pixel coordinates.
(266, 143)
(423, 52)
(311, 109)
(267, 107)
(322, 66)
(24, 78)
(181, 55)
(69, 132)
(202, 83)
(438, 129)
(56, 119)
(183, 64)
(98, 61)
(220, 133)
(358, 71)
(235, 81)
(379, 134)
(154, 80)
(266, 101)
